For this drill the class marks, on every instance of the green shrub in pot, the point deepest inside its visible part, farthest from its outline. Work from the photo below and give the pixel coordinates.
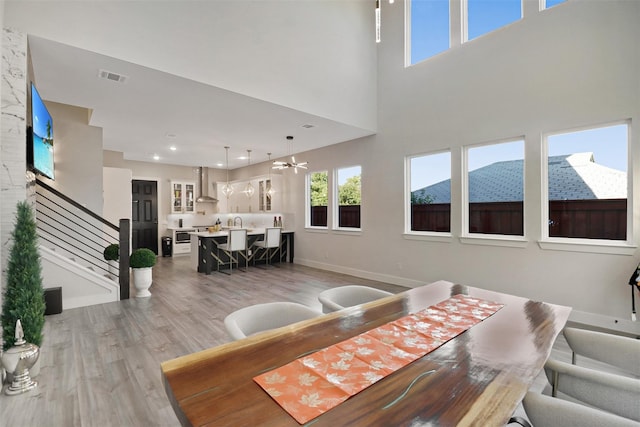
(23, 296)
(141, 261)
(142, 258)
(112, 252)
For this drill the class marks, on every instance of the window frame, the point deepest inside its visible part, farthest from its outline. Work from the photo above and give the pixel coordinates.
(421, 234)
(484, 238)
(335, 199)
(466, 215)
(624, 247)
(307, 203)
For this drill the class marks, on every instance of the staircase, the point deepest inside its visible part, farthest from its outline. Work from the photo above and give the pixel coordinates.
(72, 240)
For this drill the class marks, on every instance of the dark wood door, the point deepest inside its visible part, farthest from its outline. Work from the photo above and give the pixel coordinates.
(144, 215)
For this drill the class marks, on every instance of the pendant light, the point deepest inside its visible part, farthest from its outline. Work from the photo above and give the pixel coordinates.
(292, 164)
(227, 189)
(248, 189)
(270, 189)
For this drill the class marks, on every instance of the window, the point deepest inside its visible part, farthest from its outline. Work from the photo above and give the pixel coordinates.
(551, 3)
(429, 28)
(587, 183)
(430, 192)
(429, 23)
(495, 188)
(484, 16)
(349, 196)
(317, 198)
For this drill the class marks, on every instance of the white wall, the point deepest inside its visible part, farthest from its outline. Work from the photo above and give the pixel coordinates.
(573, 65)
(271, 50)
(116, 198)
(77, 155)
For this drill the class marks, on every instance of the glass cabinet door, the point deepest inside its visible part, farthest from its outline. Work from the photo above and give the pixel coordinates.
(176, 196)
(189, 190)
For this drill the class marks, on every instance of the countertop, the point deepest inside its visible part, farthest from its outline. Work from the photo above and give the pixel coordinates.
(224, 233)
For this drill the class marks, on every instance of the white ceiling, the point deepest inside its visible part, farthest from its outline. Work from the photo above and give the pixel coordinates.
(154, 110)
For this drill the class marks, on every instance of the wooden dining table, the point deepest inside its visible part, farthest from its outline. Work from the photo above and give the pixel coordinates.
(475, 379)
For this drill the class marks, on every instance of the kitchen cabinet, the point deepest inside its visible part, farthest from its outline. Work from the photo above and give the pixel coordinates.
(261, 201)
(183, 197)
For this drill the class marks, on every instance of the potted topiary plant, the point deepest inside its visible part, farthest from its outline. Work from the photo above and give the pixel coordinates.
(141, 261)
(112, 255)
(23, 295)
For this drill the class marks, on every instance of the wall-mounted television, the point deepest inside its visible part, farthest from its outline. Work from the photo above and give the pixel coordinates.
(40, 137)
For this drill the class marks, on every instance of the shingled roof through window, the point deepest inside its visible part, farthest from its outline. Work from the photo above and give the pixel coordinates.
(571, 177)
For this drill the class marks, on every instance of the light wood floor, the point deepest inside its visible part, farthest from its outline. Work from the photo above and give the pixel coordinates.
(100, 365)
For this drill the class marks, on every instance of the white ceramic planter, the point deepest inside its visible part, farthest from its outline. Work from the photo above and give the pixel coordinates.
(142, 280)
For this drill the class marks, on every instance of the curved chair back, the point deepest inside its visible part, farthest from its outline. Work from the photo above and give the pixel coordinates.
(621, 352)
(617, 394)
(347, 296)
(263, 317)
(545, 411)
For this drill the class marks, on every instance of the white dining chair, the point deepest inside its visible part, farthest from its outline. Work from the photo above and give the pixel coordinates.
(617, 394)
(263, 317)
(335, 299)
(615, 350)
(271, 241)
(236, 243)
(545, 411)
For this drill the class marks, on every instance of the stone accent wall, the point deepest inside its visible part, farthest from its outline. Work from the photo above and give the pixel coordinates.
(13, 129)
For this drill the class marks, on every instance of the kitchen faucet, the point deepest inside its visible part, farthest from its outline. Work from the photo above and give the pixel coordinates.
(234, 221)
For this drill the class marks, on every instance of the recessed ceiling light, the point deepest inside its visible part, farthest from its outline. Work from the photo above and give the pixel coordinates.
(170, 135)
(219, 164)
(156, 157)
(173, 148)
(308, 126)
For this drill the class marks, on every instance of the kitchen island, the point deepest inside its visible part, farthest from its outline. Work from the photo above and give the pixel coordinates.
(207, 258)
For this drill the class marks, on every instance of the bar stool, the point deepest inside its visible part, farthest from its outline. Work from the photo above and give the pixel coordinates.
(236, 242)
(271, 241)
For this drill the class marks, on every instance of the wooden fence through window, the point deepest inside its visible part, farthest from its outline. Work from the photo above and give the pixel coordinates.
(587, 219)
(348, 216)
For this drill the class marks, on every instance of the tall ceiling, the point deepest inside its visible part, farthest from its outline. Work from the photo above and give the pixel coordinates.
(166, 98)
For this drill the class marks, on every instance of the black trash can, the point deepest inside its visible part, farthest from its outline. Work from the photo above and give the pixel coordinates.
(53, 300)
(167, 246)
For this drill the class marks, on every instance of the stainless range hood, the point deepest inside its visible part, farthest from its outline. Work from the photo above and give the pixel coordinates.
(203, 172)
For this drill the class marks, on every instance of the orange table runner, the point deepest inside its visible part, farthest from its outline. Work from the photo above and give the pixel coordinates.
(314, 384)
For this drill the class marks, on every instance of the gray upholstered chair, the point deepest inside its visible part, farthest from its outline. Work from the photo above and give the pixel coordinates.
(613, 393)
(263, 317)
(271, 241)
(545, 411)
(236, 243)
(621, 352)
(335, 299)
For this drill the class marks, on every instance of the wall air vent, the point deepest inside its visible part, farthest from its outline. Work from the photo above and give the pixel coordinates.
(115, 77)
(307, 126)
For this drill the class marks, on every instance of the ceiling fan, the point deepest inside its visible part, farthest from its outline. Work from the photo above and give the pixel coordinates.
(278, 164)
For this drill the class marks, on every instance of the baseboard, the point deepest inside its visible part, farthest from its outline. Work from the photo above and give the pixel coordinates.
(625, 326)
(386, 278)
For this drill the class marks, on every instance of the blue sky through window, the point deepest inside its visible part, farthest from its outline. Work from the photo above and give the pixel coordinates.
(429, 28)
(609, 145)
(484, 16)
(551, 3)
